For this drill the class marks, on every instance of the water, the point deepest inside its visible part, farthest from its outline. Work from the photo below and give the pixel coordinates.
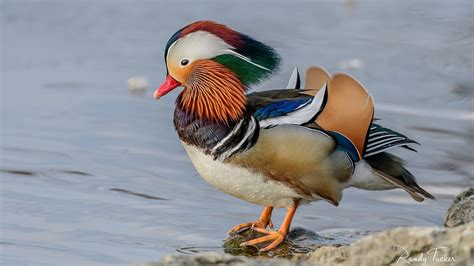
(91, 174)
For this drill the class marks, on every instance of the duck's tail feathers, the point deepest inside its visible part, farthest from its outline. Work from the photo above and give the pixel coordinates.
(391, 168)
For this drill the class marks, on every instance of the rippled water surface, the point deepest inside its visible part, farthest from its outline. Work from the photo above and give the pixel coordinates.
(91, 174)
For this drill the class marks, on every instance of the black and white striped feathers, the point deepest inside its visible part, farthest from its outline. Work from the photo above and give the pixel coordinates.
(242, 137)
(217, 139)
(381, 139)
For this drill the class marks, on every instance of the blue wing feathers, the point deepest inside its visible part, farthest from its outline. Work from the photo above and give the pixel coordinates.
(279, 108)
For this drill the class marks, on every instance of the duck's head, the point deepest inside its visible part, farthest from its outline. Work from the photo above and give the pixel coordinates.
(215, 65)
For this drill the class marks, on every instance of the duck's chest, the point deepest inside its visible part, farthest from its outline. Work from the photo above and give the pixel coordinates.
(208, 144)
(240, 182)
(202, 133)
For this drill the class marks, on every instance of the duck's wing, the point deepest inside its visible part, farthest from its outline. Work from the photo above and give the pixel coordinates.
(257, 100)
(341, 107)
(279, 107)
(343, 110)
(274, 103)
(292, 95)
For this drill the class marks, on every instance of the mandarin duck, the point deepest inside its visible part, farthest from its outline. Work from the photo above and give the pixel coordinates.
(275, 148)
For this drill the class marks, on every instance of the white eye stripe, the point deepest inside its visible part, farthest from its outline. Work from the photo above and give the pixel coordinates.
(197, 45)
(169, 49)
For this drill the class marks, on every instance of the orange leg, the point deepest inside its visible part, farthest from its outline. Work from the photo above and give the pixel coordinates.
(275, 236)
(262, 222)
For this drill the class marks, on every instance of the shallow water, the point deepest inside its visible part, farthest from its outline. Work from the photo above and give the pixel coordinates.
(91, 174)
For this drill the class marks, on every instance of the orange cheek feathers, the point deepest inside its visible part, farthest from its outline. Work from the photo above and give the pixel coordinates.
(213, 92)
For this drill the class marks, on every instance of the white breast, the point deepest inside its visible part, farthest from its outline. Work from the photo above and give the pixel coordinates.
(241, 182)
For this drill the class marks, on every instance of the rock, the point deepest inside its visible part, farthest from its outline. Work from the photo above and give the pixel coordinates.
(462, 209)
(352, 64)
(328, 254)
(402, 245)
(214, 258)
(299, 241)
(435, 246)
(299, 234)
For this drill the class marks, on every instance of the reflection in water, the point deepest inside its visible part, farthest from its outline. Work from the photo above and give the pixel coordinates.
(464, 90)
(18, 172)
(190, 250)
(30, 173)
(74, 172)
(136, 194)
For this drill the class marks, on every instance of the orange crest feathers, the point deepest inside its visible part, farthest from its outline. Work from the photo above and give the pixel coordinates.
(213, 92)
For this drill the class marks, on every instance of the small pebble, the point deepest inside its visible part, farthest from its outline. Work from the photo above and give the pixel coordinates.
(351, 64)
(138, 85)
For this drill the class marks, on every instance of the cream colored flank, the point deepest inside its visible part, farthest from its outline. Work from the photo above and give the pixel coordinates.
(240, 182)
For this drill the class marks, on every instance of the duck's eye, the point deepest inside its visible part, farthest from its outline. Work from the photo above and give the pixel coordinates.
(184, 62)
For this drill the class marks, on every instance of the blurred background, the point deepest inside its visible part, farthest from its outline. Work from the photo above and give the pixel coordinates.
(92, 172)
